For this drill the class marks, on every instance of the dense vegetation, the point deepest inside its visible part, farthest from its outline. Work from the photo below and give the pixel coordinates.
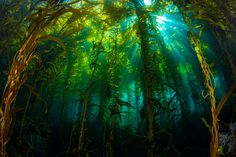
(114, 78)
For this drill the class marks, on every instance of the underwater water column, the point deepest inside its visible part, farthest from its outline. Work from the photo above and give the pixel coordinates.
(146, 55)
(147, 79)
(173, 32)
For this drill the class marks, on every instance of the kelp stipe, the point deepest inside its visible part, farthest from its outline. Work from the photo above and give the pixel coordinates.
(118, 78)
(17, 77)
(217, 20)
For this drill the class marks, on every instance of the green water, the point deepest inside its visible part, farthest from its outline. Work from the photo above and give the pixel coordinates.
(116, 78)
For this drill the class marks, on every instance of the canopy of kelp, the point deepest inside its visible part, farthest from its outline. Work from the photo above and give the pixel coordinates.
(106, 78)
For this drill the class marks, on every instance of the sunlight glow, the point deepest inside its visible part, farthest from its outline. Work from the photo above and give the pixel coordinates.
(148, 2)
(161, 19)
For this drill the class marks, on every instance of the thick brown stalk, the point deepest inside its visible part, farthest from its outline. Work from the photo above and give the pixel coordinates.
(16, 77)
(215, 110)
(195, 42)
(14, 82)
(214, 130)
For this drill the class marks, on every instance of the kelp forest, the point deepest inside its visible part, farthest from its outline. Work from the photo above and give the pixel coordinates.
(118, 78)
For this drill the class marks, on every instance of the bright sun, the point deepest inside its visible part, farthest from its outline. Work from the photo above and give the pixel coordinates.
(147, 2)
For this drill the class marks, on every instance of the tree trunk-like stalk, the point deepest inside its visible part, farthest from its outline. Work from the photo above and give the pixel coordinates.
(81, 145)
(15, 80)
(215, 109)
(147, 77)
(82, 130)
(214, 131)
(196, 45)
(16, 77)
(109, 147)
